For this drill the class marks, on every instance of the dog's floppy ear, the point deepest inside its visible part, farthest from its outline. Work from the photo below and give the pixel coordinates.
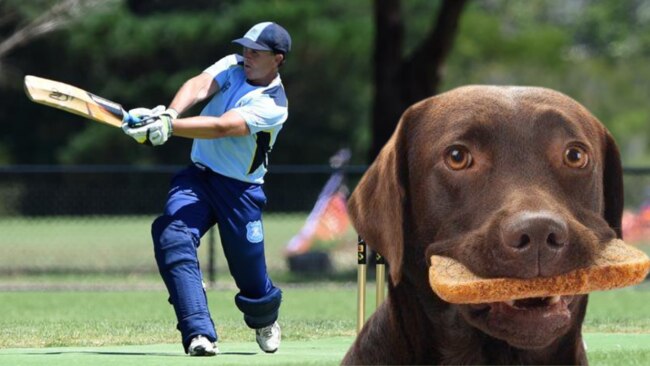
(376, 206)
(612, 185)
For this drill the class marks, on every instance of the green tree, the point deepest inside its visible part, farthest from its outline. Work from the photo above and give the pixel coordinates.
(595, 52)
(140, 58)
(400, 80)
(139, 52)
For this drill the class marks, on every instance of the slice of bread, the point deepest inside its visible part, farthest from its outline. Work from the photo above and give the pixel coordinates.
(618, 265)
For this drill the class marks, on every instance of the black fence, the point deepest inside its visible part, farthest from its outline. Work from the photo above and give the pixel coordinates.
(31, 191)
(96, 219)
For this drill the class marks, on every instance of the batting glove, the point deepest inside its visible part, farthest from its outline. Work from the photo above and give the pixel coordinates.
(136, 116)
(155, 129)
(161, 129)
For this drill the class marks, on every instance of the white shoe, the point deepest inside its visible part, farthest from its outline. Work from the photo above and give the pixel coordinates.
(268, 338)
(201, 346)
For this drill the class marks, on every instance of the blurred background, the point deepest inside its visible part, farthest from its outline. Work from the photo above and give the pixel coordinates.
(77, 197)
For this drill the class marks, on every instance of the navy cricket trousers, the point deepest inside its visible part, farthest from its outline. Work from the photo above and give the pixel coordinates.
(197, 200)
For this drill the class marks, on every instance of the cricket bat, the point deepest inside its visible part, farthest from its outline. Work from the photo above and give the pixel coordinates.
(74, 100)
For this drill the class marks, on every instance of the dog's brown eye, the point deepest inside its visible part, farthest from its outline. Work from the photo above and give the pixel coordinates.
(458, 157)
(576, 157)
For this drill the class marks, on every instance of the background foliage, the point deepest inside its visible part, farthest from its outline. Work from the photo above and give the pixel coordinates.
(140, 52)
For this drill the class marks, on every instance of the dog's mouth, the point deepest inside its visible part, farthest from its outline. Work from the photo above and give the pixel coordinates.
(544, 304)
(532, 313)
(525, 323)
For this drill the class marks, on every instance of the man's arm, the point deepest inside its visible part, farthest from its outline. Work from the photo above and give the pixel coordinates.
(208, 127)
(157, 130)
(194, 91)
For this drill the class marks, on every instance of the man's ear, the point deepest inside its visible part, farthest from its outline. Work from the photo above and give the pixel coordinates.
(279, 59)
(377, 204)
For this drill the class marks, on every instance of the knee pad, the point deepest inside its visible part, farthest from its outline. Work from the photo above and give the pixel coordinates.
(259, 313)
(173, 242)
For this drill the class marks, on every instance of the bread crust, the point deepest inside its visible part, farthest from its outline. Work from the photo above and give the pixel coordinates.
(618, 265)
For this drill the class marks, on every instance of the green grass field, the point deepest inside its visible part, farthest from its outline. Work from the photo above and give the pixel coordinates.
(86, 291)
(122, 327)
(122, 245)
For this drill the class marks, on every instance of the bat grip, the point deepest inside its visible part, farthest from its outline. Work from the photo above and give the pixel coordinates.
(132, 120)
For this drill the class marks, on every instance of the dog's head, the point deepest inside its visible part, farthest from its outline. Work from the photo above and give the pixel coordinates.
(510, 181)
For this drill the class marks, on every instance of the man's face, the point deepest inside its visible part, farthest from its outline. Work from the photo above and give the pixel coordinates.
(260, 66)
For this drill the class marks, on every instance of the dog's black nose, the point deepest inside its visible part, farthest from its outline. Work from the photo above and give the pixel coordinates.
(536, 238)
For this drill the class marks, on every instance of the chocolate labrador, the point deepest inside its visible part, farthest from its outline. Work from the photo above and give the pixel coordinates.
(517, 182)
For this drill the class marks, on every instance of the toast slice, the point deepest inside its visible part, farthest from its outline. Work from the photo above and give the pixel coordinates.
(618, 265)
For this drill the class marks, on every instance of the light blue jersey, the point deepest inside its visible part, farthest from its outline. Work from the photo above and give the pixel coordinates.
(264, 108)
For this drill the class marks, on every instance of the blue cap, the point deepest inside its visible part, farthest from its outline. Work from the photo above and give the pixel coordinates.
(266, 36)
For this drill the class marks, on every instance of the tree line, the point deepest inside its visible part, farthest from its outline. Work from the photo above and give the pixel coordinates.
(355, 66)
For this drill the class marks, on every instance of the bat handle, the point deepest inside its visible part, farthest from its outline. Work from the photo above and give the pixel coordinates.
(132, 120)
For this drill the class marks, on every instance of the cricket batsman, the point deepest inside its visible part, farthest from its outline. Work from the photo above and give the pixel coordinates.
(233, 136)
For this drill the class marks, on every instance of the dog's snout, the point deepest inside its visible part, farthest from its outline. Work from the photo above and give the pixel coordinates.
(536, 238)
(541, 230)
(535, 229)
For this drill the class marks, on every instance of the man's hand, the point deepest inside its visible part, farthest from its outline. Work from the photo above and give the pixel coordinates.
(136, 116)
(160, 127)
(151, 127)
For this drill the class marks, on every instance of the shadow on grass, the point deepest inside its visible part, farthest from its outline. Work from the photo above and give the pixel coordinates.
(106, 353)
(115, 353)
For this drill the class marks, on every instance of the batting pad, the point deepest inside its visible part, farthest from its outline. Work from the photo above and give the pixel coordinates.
(262, 312)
